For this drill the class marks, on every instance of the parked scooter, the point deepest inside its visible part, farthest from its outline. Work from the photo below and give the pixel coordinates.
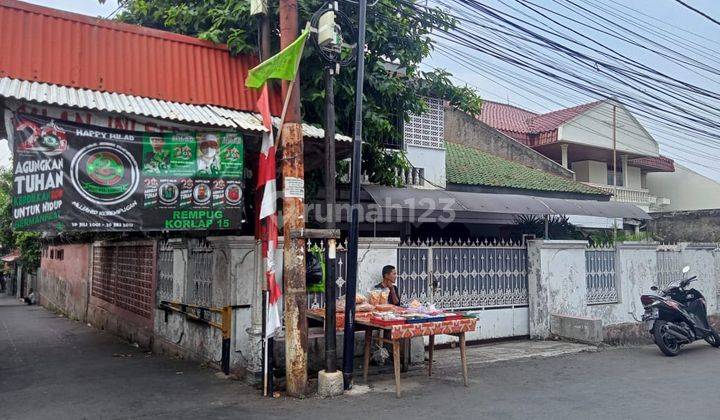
(677, 316)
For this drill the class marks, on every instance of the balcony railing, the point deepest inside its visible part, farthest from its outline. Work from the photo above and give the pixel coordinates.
(413, 176)
(627, 195)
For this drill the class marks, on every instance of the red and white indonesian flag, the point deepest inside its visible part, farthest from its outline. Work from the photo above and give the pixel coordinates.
(283, 65)
(268, 214)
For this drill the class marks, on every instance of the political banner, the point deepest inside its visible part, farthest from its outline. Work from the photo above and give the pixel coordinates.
(75, 177)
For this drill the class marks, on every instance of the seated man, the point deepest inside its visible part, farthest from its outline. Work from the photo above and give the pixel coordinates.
(30, 298)
(389, 274)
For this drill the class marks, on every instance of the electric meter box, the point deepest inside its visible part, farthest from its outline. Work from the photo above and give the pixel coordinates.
(328, 35)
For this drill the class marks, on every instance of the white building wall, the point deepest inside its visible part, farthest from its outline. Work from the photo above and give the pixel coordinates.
(594, 128)
(557, 283)
(424, 141)
(554, 287)
(590, 171)
(432, 161)
(634, 177)
(686, 189)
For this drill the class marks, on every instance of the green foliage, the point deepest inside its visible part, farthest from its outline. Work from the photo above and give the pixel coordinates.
(7, 240)
(606, 237)
(27, 242)
(395, 33)
(559, 227)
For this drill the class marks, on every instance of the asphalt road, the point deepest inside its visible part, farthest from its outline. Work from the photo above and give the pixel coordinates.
(54, 368)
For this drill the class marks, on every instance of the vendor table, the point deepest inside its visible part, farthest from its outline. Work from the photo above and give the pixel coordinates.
(394, 334)
(456, 327)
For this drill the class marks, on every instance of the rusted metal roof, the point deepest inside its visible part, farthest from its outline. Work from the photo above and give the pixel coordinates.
(67, 49)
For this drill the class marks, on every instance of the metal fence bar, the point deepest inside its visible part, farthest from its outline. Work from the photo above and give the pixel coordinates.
(669, 266)
(465, 275)
(165, 271)
(200, 269)
(600, 275)
(317, 299)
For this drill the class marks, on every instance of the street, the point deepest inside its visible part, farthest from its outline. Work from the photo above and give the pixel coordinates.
(52, 367)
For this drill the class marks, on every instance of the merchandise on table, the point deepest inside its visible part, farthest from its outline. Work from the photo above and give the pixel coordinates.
(364, 307)
(378, 296)
(384, 314)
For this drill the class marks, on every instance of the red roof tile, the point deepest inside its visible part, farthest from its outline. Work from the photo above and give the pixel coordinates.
(52, 46)
(535, 129)
(527, 126)
(554, 119)
(506, 117)
(659, 164)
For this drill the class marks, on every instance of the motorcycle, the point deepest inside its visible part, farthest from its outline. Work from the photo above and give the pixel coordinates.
(677, 316)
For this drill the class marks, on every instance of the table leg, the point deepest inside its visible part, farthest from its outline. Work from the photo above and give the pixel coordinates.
(396, 363)
(430, 354)
(368, 348)
(463, 358)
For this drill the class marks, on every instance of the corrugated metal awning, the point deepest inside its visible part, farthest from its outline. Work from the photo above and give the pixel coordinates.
(119, 103)
(468, 207)
(13, 256)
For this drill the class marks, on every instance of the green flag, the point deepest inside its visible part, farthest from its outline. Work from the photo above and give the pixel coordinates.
(282, 65)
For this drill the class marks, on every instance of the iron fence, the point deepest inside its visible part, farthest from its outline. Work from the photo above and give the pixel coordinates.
(600, 275)
(317, 299)
(464, 275)
(669, 265)
(200, 272)
(165, 271)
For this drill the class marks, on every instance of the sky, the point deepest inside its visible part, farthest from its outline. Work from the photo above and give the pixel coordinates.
(493, 83)
(491, 87)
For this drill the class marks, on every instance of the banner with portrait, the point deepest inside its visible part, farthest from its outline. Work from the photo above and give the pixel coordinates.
(75, 177)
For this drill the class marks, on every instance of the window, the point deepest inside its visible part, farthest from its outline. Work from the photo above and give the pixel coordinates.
(619, 175)
(60, 254)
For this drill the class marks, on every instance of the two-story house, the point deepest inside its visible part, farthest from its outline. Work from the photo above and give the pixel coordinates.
(581, 139)
(490, 178)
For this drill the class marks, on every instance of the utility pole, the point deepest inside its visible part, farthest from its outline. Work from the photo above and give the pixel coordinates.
(352, 259)
(329, 142)
(293, 168)
(614, 136)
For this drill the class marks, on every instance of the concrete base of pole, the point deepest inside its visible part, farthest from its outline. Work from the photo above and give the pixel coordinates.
(417, 351)
(330, 384)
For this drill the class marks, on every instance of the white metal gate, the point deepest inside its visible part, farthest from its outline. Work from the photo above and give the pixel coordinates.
(469, 275)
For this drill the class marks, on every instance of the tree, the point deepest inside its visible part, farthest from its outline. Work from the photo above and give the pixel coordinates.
(397, 32)
(27, 242)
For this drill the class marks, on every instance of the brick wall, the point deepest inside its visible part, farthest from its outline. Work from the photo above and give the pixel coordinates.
(123, 275)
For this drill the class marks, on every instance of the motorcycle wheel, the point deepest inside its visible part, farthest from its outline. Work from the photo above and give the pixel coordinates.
(666, 342)
(713, 339)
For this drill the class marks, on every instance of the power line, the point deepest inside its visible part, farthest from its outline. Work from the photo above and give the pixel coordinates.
(699, 12)
(596, 88)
